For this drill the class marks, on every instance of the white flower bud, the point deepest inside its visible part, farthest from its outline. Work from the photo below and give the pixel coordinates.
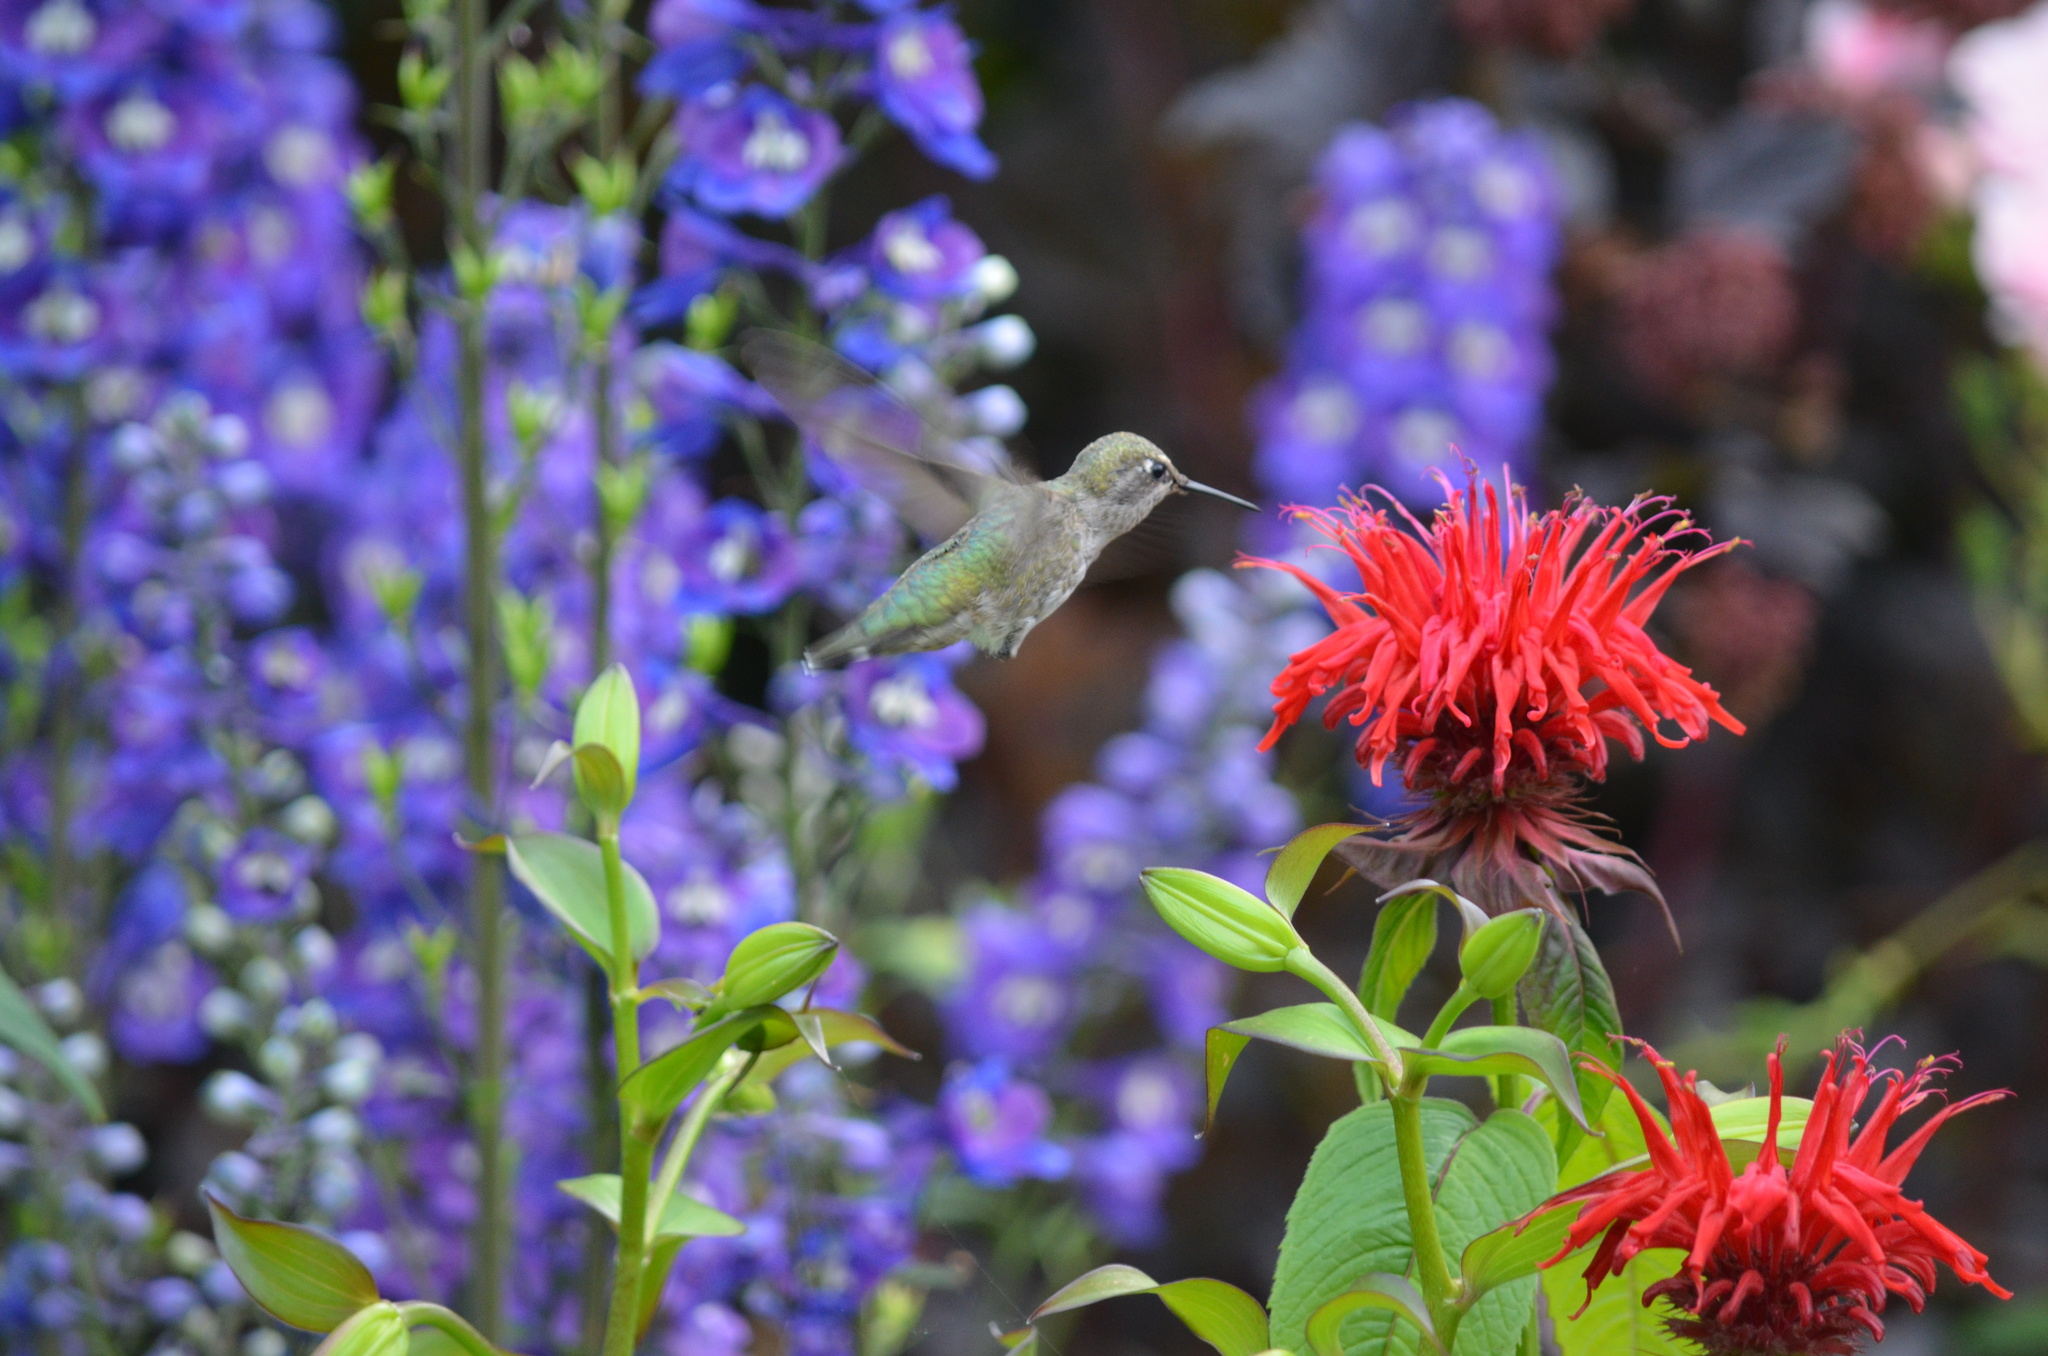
(209, 929)
(349, 1081)
(117, 1148)
(224, 1014)
(264, 980)
(1005, 341)
(280, 1059)
(234, 1098)
(334, 1128)
(994, 278)
(61, 1001)
(314, 949)
(87, 1053)
(996, 410)
(187, 1252)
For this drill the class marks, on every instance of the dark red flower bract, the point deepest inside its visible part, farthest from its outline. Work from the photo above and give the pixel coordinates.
(1493, 654)
(1781, 1262)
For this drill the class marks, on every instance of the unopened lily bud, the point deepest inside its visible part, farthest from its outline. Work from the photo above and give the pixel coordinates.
(774, 961)
(1229, 923)
(1494, 957)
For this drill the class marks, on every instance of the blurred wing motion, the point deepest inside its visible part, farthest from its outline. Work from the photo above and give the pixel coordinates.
(875, 437)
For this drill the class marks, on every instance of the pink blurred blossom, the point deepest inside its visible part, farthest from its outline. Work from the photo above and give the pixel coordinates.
(1862, 52)
(2001, 70)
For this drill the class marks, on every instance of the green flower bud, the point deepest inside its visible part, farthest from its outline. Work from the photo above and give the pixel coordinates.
(1225, 921)
(773, 961)
(1494, 957)
(608, 718)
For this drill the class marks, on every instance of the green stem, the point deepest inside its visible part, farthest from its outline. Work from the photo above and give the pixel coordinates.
(1303, 965)
(1453, 1008)
(606, 23)
(1507, 1088)
(636, 1151)
(1431, 1267)
(689, 1132)
(470, 157)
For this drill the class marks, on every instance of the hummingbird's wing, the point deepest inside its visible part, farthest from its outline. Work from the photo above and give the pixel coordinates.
(876, 437)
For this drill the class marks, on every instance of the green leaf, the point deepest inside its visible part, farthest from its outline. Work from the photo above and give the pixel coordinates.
(567, 875)
(1568, 994)
(1349, 1220)
(1222, 1315)
(376, 1330)
(654, 1279)
(1403, 936)
(1516, 1249)
(683, 1217)
(1617, 1320)
(686, 994)
(1381, 1290)
(433, 1342)
(772, 961)
(658, 1087)
(1288, 879)
(1490, 1050)
(1231, 924)
(297, 1276)
(1498, 1172)
(608, 717)
(1318, 1028)
(1219, 1056)
(833, 1028)
(23, 1028)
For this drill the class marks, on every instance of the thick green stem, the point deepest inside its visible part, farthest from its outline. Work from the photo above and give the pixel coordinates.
(1432, 1269)
(636, 1152)
(606, 23)
(470, 170)
(1508, 1089)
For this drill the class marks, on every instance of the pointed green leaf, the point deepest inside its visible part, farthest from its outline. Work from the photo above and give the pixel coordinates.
(683, 1217)
(1616, 1319)
(686, 994)
(23, 1028)
(1221, 1315)
(1220, 1050)
(1403, 936)
(1288, 879)
(1349, 1220)
(834, 1028)
(1490, 1050)
(659, 1086)
(1380, 1290)
(1318, 1028)
(1568, 994)
(376, 1330)
(433, 1342)
(567, 875)
(661, 1258)
(299, 1277)
(1516, 1249)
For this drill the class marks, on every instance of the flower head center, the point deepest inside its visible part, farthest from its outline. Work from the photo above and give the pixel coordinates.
(62, 316)
(60, 28)
(140, 124)
(17, 244)
(909, 250)
(904, 702)
(775, 145)
(909, 55)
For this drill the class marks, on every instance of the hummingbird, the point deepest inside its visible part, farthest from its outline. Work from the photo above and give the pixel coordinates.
(1014, 547)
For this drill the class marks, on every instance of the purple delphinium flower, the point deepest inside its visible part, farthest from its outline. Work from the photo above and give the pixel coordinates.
(1015, 1000)
(922, 253)
(996, 1126)
(753, 151)
(904, 716)
(924, 80)
(1425, 300)
(155, 1017)
(737, 558)
(690, 394)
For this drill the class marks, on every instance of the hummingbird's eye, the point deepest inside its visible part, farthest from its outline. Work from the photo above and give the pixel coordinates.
(1156, 469)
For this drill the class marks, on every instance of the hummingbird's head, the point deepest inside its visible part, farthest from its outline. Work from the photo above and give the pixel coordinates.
(1124, 476)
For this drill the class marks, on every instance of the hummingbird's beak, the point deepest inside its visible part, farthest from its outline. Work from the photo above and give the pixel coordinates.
(1199, 488)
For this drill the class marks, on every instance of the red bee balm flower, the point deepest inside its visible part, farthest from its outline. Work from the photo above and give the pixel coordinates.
(1778, 1262)
(1493, 654)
